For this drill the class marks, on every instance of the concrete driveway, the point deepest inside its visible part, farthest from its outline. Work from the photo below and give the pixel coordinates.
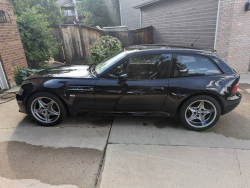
(124, 152)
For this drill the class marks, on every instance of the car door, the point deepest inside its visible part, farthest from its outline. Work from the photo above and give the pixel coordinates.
(145, 90)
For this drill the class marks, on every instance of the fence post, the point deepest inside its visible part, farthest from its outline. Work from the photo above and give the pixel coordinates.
(82, 41)
(64, 46)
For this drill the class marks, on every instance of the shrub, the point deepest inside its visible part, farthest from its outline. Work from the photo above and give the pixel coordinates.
(39, 45)
(20, 74)
(49, 8)
(104, 47)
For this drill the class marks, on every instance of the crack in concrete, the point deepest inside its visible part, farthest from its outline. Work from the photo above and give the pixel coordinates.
(103, 157)
(236, 155)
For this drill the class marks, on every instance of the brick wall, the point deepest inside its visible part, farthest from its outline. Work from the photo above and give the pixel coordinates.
(11, 48)
(233, 40)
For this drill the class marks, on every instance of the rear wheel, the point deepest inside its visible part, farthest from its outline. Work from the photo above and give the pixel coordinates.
(46, 109)
(200, 113)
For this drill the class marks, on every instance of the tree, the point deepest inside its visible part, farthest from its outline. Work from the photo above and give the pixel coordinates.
(48, 8)
(94, 13)
(39, 45)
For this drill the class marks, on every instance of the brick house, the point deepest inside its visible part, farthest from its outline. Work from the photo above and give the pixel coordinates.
(221, 24)
(11, 48)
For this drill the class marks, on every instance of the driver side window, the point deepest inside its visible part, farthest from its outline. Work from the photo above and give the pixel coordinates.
(118, 71)
(150, 66)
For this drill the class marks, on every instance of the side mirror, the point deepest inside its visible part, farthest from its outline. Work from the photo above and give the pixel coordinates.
(123, 77)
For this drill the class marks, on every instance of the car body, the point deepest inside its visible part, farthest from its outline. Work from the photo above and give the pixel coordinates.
(139, 81)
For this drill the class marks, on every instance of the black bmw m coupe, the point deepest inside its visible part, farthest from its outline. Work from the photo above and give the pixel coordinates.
(195, 85)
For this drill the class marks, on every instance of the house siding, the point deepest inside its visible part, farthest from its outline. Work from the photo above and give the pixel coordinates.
(180, 22)
(130, 16)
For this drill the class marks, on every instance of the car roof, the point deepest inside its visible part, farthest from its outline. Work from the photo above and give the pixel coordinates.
(156, 48)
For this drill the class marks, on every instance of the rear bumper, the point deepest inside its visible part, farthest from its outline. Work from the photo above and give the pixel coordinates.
(21, 106)
(232, 103)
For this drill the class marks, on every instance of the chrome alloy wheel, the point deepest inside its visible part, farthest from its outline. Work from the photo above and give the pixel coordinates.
(45, 110)
(200, 114)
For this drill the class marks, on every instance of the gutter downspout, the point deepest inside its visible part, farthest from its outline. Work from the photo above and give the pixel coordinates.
(120, 11)
(140, 18)
(217, 25)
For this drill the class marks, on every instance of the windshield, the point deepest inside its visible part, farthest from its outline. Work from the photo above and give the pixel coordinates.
(101, 67)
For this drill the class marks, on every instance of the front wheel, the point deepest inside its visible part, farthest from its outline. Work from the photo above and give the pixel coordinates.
(200, 113)
(46, 109)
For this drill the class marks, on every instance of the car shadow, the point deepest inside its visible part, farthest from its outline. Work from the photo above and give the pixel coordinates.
(79, 120)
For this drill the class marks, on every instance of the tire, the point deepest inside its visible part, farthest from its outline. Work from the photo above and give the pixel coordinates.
(46, 108)
(196, 117)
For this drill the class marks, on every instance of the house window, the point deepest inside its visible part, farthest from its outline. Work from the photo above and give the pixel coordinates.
(68, 12)
(4, 16)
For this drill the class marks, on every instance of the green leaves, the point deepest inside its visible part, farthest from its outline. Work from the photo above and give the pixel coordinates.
(39, 45)
(94, 13)
(104, 47)
(48, 8)
(20, 74)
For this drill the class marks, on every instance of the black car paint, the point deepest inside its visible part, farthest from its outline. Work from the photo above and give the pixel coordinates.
(82, 91)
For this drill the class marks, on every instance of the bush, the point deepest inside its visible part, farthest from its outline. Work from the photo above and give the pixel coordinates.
(49, 8)
(39, 45)
(20, 74)
(104, 47)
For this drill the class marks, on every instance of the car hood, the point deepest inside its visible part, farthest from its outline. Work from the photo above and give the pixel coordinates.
(75, 71)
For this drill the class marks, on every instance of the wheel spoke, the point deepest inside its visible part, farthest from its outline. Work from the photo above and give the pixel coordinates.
(192, 117)
(202, 119)
(50, 104)
(38, 111)
(41, 103)
(46, 116)
(207, 111)
(201, 105)
(54, 113)
(192, 109)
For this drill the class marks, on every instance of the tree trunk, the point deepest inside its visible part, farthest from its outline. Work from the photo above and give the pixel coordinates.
(33, 65)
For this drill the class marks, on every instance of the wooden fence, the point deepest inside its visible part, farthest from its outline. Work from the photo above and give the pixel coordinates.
(133, 37)
(75, 40)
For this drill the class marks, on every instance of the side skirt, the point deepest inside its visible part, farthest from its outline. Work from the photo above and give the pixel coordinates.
(122, 113)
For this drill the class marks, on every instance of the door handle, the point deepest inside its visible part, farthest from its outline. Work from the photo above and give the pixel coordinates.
(136, 92)
(158, 88)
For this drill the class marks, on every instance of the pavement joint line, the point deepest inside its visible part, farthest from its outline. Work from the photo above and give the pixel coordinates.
(8, 128)
(103, 156)
(236, 155)
(113, 143)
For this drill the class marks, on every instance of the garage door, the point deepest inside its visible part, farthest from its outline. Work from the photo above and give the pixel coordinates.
(180, 22)
(3, 81)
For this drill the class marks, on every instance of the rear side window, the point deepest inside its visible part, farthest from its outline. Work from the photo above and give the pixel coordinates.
(194, 65)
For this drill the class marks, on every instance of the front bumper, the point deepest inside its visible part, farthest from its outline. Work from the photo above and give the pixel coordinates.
(232, 103)
(22, 107)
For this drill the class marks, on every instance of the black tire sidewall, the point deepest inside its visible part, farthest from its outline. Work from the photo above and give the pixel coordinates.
(196, 98)
(63, 111)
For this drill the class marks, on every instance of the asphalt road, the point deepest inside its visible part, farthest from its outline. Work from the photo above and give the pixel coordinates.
(124, 152)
